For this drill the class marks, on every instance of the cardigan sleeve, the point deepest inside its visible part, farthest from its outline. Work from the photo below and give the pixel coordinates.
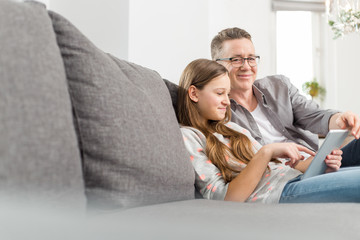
(307, 114)
(255, 144)
(209, 181)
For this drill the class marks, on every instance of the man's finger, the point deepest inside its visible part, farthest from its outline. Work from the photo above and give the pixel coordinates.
(349, 119)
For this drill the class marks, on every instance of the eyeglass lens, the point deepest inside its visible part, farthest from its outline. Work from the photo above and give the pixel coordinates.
(239, 62)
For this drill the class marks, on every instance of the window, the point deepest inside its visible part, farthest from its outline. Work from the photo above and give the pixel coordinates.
(299, 52)
(294, 46)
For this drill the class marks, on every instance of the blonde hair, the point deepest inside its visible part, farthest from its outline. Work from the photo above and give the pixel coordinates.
(199, 73)
(225, 35)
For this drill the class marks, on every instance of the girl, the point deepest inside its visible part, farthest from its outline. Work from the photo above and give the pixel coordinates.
(231, 165)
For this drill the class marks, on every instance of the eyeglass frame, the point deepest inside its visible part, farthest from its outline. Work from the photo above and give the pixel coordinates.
(244, 59)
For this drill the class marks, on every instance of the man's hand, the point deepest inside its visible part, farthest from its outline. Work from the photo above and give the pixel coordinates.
(348, 120)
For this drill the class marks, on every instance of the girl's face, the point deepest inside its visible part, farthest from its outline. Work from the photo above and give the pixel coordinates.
(212, 100)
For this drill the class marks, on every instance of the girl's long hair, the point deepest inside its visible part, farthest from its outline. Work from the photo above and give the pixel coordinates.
(199, 73)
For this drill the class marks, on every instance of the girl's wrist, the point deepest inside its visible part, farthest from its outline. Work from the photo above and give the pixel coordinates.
(267, 151)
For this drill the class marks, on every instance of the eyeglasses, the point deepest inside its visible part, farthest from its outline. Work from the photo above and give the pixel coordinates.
(240, 61)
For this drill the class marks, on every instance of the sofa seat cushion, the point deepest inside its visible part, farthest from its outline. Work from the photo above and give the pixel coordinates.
(39, 155)
(132, 149)
(210, 219)
(191, 219)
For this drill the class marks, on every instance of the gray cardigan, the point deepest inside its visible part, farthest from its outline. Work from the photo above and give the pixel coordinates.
(299, 119)
(209, 181)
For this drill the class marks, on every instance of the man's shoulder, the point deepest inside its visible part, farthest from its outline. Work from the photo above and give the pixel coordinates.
(273, 81)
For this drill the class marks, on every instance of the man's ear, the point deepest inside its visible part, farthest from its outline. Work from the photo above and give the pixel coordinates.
(193, 93)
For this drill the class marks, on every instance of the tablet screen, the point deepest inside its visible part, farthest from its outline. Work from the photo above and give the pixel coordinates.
(333, 140)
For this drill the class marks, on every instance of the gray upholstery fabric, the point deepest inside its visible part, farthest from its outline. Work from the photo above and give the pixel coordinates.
(39, 155)
(188, 220)
(173, 90)
(210, 219)
(132, 149)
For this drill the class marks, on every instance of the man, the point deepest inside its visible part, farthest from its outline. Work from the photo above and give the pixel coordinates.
(272, 108)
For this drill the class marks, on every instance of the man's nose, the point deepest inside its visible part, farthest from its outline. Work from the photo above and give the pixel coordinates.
(246, 65)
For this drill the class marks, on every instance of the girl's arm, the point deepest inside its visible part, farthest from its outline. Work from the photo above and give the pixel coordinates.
(241, 187)
(244, 184)
(208, 179)
(333, 161)
(302, 166)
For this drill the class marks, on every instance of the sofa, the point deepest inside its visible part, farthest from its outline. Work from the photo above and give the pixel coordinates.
(90, 148)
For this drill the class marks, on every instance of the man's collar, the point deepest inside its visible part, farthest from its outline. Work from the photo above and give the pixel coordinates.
(258, 94)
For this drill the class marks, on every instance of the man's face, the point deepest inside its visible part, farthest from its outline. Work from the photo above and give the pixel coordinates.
(242, 77)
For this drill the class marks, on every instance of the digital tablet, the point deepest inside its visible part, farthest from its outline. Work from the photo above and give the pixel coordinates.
(333, 140)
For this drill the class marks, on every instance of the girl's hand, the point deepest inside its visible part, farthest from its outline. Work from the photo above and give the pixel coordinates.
(290, 151)
(333, 160)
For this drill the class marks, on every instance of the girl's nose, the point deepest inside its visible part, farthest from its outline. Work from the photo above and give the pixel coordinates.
(226, 101)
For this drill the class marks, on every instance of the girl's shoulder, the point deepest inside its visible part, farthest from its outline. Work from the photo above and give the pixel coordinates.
(186, 130)
(237, 128)
(191, 132)
(193, 137)
(246, 132)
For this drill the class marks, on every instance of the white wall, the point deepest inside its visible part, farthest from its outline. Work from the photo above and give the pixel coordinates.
(105, 22)
(348, 79)
(328, 74)
(165, 35)
(340, 64)
(170, 34)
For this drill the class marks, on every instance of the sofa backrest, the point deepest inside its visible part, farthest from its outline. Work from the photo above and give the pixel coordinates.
(39, 157)
(133, 151)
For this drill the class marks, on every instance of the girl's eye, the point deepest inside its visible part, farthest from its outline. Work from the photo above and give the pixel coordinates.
(220, 93)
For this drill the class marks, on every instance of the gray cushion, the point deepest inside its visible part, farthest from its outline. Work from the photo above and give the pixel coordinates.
(132, 148)
(189, 220)
(210, 219)
(173, 90)
(39, 155)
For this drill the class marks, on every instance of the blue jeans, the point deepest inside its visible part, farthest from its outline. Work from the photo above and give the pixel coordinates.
(340, 186)
(351, 154)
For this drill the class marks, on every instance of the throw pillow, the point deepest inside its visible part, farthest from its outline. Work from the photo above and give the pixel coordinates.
(132, 149)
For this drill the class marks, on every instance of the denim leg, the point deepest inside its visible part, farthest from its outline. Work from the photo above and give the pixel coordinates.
(340, 186)
(351, 154)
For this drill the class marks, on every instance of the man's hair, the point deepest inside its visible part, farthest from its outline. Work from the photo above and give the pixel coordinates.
(224, 35)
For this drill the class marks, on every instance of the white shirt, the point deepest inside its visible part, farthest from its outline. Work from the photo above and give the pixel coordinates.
(268, 132)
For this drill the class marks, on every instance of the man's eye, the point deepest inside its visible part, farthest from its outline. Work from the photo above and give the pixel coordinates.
(251, 59)
(236, 60)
